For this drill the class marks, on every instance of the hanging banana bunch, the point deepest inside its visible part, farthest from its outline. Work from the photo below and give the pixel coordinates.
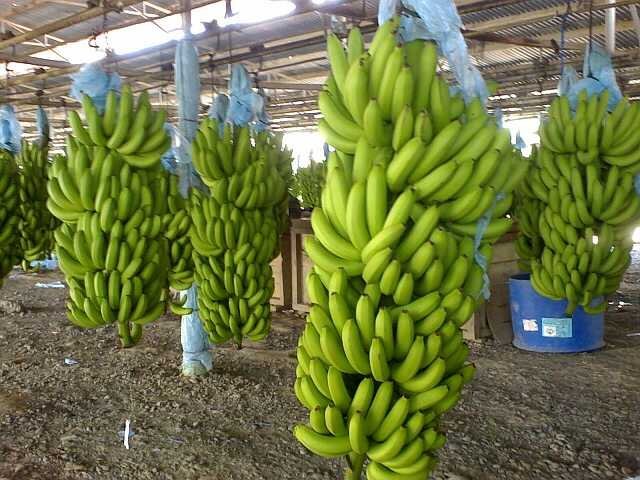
(236, 227)
(281, 157)
(527, 210)
(36, 223)
(10, 252)
(584, 180)
(415, 177)
(181, 268)
(308, 184)
(110, 193)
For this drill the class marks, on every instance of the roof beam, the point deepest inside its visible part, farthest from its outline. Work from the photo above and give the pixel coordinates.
(472, 6)
(20, 79)
(536, 16)
(13, 11)
(173, 10)
(65, 22)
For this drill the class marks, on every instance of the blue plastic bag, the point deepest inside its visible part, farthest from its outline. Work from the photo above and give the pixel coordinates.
(261, 118)
(520, 143)
(219, 108)
(196, 354)
(93, 81)
(480, 259)
(568, 79)
(243, 106)
(42, 125)
(439, 20)
(241, 97)
(10, 129)
(598, 75)
(188, 94)
(169, 160)
(386, 10)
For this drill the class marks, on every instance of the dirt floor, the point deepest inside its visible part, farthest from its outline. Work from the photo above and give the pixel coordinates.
(526, 416)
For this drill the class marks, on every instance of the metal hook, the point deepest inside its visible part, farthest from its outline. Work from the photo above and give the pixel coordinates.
(93, 41)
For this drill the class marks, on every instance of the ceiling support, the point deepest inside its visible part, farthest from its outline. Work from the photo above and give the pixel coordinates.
(65, 22)
(610, 28)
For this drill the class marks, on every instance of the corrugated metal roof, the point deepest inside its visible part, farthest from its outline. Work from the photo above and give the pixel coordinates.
(520, 66)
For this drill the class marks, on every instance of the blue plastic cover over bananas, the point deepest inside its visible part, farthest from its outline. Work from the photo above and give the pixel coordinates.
(93, 81)
(42, 125)
(597, 75)
(10, 129)
(196, 355)
(242, 106)
(439, 20)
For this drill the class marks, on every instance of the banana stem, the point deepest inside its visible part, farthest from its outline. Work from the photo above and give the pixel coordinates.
(125, 334)
(354, 467)
(136, 333)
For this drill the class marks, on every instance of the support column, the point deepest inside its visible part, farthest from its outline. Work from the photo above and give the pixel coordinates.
(610, 28)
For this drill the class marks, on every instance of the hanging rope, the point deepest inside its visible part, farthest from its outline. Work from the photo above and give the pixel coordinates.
(211, 75)
(590, 29)
(563, 27)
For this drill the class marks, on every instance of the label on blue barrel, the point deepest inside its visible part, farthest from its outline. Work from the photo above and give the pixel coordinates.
(530, 324)
(557, 327)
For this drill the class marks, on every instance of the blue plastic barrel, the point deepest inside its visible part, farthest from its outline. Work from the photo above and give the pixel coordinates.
(541, 324)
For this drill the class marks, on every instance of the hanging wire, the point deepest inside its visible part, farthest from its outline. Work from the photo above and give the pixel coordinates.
(256, 75)
(211, 75)
(590, 24)
(563, 27)
(114, 67)
(65, 122)
(230, 50)
(587, 74)
(7, 71)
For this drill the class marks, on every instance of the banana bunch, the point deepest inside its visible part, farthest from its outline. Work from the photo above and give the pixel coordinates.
(414, 175)
(110, 193)
(181, 269)
(584, 178)
(235, 228)
(36, 224)
(308, 184)
(10, 252)
(527, 209)
(281, 157)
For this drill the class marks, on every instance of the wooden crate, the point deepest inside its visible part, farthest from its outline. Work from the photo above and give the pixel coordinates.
(493, 318)
(282, 275)
(301, 264)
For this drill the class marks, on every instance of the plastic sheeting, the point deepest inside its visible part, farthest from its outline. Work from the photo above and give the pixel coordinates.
(10, 129)
(480, 259)
(93, 81)
(219, 108)
(196, 350)
(598, 75)
(439, 20)
(169, 160)
(243, 106)
(42, 126)
(48, 264)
